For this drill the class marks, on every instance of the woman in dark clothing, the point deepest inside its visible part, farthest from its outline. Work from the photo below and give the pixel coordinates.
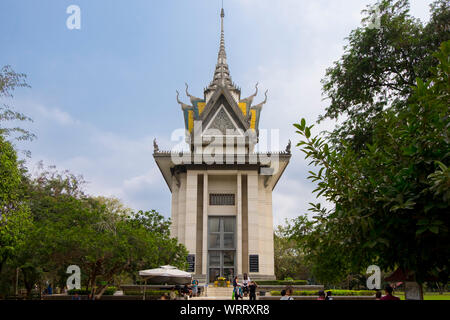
(252, 287)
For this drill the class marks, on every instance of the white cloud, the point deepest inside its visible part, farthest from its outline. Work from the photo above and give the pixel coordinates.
(112, 164)
(56, 115)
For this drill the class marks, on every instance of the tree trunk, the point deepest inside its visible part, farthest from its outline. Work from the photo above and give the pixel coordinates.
(94, 277)
(440, 288)
(102, 291)
(2, 262)
(108, 278)
(27, 283)
(421, 291)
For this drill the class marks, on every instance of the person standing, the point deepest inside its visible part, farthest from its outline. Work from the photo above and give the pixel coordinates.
(194, 288)
(246, 283)
(252, 288)
(236, 286)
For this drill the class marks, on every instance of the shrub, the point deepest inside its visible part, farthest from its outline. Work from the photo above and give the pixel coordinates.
(333, 292)
(283, 283)
(147, 292)
(108, 292)
(79, 291)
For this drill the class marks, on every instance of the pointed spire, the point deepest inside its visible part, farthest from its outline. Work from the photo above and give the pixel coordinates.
(222, 53)
(222, 74)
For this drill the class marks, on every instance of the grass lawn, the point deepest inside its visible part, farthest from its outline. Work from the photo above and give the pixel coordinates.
(429, 296)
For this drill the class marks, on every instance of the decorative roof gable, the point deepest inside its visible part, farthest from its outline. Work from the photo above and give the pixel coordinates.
(222, 92)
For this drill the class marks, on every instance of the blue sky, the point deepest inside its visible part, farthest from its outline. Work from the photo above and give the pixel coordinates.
(101, 94)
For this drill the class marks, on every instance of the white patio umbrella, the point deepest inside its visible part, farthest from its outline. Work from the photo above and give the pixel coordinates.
(165, 275)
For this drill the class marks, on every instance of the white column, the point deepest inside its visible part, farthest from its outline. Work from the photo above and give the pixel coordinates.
(239, 225)
(191, 212)
(269, 228)
(253, 219)
(181, 224)
(205, 225)
(174, 225)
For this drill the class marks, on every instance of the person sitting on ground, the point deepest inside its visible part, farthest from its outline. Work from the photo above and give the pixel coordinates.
(321, 295)
(389, 295)
(329, 297)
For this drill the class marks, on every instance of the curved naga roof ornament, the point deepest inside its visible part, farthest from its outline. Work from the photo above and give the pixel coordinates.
(253, 117)
(184, 106)
(249, 100)
(258, 107)
(193, 98)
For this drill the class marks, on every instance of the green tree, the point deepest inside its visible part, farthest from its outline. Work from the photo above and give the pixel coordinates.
(391, 198)
(289, 259)
(380, 66)
(10, 81)
(15, 220)
(100, 235)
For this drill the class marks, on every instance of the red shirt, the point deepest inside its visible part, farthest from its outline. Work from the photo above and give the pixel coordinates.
(390, 297)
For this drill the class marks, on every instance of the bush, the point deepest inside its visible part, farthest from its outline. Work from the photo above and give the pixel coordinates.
(283, 283)
(333, 292)
(79, 291)
(149, 293)
(108, 292)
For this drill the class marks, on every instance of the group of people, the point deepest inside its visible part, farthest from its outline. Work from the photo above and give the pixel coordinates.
(323, 296)
(185, 292)
(244, 289)
(190, 290)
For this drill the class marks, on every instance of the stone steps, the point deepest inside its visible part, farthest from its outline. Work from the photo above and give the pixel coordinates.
(220, 292)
